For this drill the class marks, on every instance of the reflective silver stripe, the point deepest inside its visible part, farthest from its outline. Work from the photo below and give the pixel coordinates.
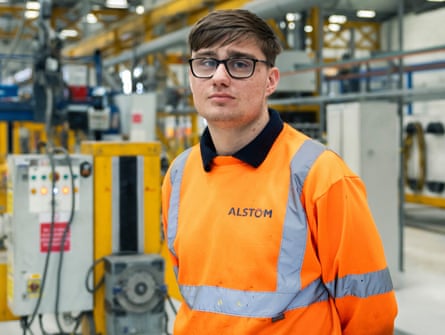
(251, 304)
(293, 244)
(289, 294)
(175, 180)
(363, 285)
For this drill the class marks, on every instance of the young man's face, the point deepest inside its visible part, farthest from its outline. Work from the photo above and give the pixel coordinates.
(226, 102)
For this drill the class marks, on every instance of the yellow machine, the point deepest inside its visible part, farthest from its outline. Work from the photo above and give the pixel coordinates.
(5, 313)
(126, 220)
(116, 164)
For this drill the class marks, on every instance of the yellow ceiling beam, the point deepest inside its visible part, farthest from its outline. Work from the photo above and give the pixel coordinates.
(16, 11)
(133, 23)
(103, 15)
(168, 13)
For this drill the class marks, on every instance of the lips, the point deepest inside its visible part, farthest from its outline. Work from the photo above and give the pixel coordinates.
(221, 97)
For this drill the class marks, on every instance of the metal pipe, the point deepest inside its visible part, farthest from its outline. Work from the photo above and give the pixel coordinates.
(400, 14)
(408, 95)
(263, 8)
(320, 73)
(358, 61)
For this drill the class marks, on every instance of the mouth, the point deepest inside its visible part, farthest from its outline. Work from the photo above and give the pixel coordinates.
(220, 97)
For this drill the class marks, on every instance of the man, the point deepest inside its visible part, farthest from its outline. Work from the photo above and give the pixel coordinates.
(269, 232)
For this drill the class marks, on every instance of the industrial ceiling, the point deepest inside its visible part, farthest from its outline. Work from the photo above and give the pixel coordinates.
(125, 29)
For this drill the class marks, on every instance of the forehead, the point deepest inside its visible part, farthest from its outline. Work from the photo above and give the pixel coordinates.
(235, 49)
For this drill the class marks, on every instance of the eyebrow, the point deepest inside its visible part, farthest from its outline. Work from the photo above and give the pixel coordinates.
(232, 54)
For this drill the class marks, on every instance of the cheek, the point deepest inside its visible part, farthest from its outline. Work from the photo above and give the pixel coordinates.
(191, 83)
(197, 93)
(254, 91)
(196, 85)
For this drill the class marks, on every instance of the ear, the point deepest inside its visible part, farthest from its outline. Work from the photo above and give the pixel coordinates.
(272, 80)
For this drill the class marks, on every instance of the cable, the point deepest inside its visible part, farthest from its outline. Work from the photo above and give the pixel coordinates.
(102, 280)
(77, 319)
(172, 306)
(89, 273)
(166, 323)
(42, 329)
(64, 236)
(27, 324)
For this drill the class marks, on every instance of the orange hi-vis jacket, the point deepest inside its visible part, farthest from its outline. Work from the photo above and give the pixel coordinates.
(288, 247)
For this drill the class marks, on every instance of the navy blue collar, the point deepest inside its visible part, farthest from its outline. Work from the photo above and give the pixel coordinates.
(253, 153)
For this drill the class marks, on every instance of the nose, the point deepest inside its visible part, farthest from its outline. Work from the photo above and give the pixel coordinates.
(221, 73)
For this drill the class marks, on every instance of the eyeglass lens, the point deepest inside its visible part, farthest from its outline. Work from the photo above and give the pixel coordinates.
(237, 67)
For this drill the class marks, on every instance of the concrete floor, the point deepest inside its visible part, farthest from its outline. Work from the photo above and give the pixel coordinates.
(421, 295)
(421, 289)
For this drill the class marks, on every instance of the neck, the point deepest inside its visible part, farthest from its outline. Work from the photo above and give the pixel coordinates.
(228, 140)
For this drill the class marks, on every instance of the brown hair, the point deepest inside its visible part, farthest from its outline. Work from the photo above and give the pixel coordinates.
(227, 26)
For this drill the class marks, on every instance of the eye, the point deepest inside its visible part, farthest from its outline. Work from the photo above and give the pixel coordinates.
(207, 62)
(240, 63)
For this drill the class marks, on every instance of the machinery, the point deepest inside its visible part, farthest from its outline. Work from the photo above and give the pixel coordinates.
(292, 83)
(49, 233)
(63, 223)
(135, 292)
(91, 115)
(127, 237)
(424, 139)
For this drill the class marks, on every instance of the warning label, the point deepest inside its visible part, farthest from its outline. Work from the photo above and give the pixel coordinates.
(57, 236)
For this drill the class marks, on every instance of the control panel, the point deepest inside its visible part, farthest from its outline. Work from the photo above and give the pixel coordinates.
(50, 232)
(61, 181)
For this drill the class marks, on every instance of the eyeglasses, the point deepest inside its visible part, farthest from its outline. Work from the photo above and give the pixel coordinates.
(237, 68)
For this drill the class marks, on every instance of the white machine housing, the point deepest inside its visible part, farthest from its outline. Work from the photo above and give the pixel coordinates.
(290, 60)
(366, 136)
(36, 231)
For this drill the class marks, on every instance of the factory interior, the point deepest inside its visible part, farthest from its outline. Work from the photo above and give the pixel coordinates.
(95, 105)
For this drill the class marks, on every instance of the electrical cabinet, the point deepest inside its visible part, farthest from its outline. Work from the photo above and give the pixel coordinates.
(50, 233)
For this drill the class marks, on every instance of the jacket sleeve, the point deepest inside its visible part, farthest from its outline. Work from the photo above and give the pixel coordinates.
(350, 250)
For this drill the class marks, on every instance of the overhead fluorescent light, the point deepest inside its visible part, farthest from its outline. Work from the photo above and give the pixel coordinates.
(308, 28)
(33, 5)
(31, 14)
(334, 27)
(339, 19)
(291, 17)
(435, 0)
(69, 33)
(140, 10)
(366, 14)
(116, 3)
(91, 18)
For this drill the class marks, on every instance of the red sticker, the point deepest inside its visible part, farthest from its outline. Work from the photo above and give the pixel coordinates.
(137, 118)
(58, 230)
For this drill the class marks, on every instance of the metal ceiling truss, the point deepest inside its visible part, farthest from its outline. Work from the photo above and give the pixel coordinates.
(161, 20)
(367, 36)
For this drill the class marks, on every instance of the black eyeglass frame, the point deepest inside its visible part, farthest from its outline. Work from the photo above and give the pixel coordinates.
(224, 61)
